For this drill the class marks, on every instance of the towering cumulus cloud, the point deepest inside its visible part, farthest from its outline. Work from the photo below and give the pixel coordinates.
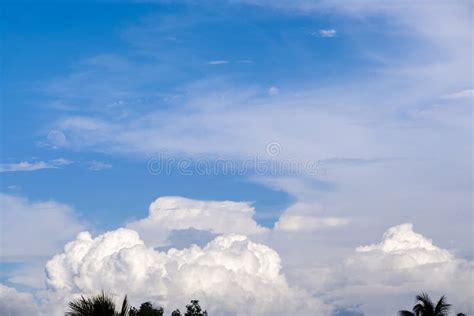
(177, 213)
(230, 275)
(402, 248)
(394, 270)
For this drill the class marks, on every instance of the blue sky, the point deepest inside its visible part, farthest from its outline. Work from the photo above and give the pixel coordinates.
(46, 42)
(370, 100)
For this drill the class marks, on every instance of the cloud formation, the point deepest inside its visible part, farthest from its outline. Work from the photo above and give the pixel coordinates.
(307, 217)
(303, 223)
(327, 33)
(177, 213)
(463, 94)
(388, 120)
(405, 248)
(14, 303)
(218, 62)
(35, 165)
(382, 278)
(34, 228)
(406, 262)
(229, 275)
(98, 165)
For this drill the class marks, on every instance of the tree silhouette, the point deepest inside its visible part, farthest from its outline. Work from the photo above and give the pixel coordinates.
(194, 309)
(146, 309)
(425, 307)
(100, 305)
(103, 305)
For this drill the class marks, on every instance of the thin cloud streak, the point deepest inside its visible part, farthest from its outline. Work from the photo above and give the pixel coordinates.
(35, 165)
(218, 62)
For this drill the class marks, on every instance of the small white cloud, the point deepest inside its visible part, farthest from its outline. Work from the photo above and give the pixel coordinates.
(56, 138)
(98, 165)
(464, 94)
(273, 91)
(304, 223)
(61, 162)
(218, 62)
(173, 39)
(326, 33)
(36, 165)
(24, 166)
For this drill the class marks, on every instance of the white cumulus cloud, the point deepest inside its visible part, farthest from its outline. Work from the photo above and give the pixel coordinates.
(230, 275)
(14, 303)
(405, 249)
(383, 278)
(34, 228)
(178, 213)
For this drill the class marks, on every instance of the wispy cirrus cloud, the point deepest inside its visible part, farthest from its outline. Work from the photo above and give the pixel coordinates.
(463, 94)
(34, 165)
(223, 61)
(98, 165)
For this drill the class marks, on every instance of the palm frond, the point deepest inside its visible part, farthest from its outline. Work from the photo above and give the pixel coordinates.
(125, 307)
(425, 306)
(103, 304)
(405, 313)
(100, 304)
(79, 307)
(442, 307)
(419, 309)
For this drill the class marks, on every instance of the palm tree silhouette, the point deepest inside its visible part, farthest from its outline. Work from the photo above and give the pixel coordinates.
(425, 307)
(100, 305)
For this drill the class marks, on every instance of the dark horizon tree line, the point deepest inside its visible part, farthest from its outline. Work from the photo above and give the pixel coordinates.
(104, 305)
